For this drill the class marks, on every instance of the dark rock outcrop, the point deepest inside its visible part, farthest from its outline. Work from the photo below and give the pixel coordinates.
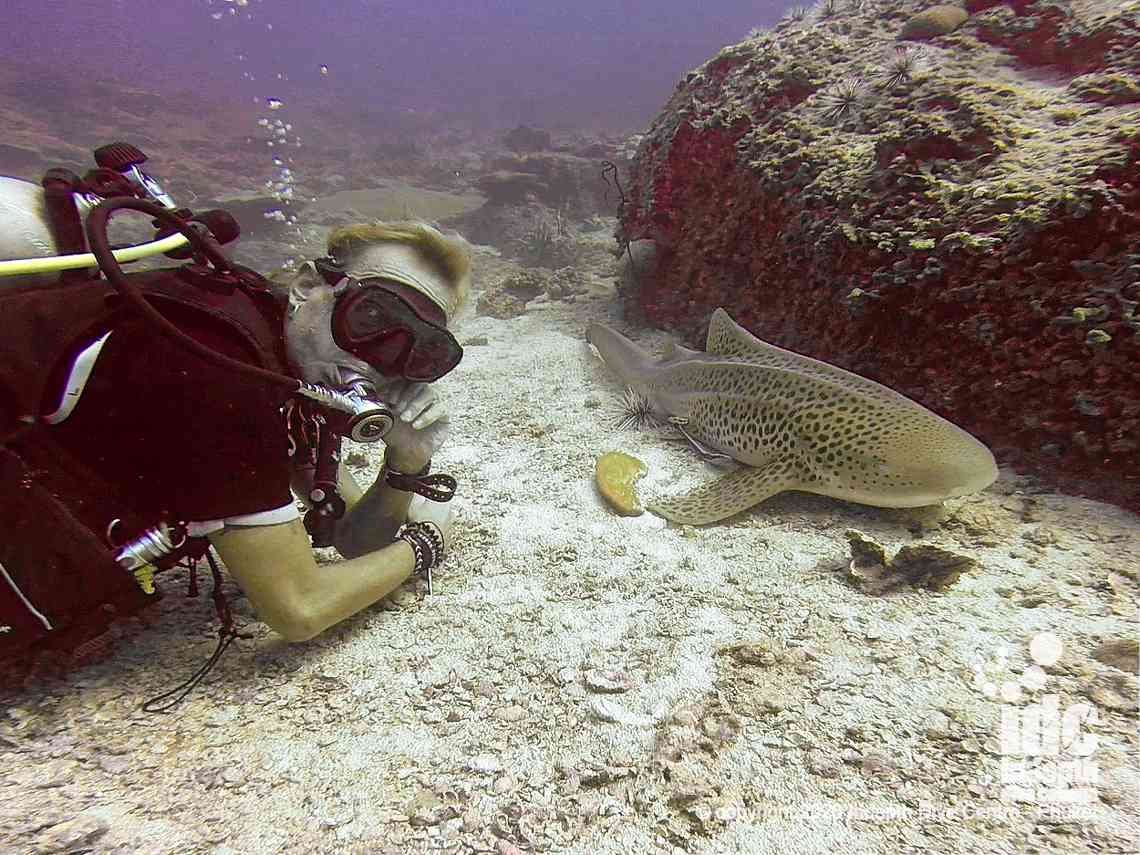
(524, 139)
(565, 181)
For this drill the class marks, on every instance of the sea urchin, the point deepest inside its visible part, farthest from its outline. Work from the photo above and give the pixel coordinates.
(902, 67)
(840, 100)
(635, 412)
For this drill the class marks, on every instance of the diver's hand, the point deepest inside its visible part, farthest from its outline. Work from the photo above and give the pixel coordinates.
(441, 513)
(419, 430)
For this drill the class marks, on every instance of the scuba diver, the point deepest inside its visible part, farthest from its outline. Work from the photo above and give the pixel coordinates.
(164, 416)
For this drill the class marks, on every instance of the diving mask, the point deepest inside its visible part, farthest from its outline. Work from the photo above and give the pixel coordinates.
(374, 323)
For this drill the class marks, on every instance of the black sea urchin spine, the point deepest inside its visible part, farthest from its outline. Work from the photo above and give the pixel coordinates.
(902, 67)
(841, 99)
(634, 411)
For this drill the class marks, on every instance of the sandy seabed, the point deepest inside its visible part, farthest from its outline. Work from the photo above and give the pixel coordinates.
(584, 683)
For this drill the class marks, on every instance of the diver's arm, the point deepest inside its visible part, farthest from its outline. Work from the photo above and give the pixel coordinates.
(274, 566)
(373, 516)
(373, 519)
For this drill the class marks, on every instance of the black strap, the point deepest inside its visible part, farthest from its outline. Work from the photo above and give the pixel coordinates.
(155, 705)
(60, 187)
(438, 487)
(226, 635)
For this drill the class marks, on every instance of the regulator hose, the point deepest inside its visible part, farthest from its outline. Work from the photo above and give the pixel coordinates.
(96, 228)
(53, 263)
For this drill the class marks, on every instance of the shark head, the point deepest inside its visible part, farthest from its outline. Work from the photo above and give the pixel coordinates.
(889, 452)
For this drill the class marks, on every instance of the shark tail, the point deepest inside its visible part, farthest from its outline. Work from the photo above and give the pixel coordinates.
(629, 362)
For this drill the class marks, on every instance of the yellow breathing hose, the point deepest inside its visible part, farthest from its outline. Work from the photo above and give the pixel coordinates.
(86, 259)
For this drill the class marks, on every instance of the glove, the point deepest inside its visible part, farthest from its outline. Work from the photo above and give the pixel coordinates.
(420, 427)
(440, 513)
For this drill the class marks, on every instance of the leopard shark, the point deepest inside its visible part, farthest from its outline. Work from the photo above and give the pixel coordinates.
(792, 423)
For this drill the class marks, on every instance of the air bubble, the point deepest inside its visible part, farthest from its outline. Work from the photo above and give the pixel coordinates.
(324, 69)
(1046, 648)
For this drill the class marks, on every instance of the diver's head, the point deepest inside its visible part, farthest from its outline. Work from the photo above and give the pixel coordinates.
(379, 306)
(412, 253)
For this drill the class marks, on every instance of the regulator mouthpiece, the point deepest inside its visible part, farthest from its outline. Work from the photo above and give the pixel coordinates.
(354, 413)
(369, 420)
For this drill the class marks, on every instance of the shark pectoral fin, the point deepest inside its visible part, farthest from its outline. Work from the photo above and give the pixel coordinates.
(728, 495)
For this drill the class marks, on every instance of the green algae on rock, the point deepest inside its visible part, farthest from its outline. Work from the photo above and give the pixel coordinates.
(616, 474)
(1112, 89)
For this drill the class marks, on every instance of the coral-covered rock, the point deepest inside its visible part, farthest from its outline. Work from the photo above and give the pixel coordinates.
(508, 297)
(1075, 37)
(1106, 88)
(966, 234)
(557, 179)
(511, 188)
(933, 22)
(525, 138)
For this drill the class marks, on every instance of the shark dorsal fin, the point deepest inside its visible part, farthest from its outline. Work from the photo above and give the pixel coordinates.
(730, 340)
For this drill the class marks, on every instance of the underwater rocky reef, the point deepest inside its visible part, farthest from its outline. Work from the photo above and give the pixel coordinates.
(945, 201)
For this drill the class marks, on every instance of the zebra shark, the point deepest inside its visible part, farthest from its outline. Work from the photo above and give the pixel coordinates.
(794, 423)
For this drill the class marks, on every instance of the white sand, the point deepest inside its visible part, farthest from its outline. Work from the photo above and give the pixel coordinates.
(859, 730)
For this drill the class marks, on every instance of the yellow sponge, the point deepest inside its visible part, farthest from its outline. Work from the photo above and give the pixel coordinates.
(615, 474)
